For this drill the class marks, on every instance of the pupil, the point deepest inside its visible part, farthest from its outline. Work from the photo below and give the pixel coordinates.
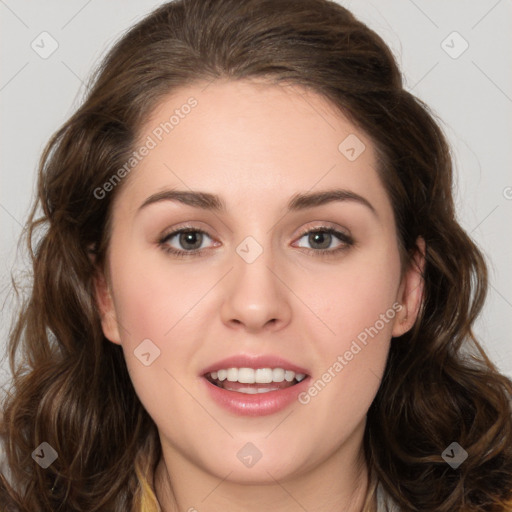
(190, 238)
(323, 236)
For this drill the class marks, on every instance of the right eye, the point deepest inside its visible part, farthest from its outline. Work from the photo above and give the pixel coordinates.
(191, 239)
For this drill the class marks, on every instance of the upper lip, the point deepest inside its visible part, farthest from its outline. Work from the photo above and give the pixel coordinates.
(255, 362)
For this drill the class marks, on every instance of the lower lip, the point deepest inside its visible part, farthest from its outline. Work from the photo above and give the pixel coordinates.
(259, 404)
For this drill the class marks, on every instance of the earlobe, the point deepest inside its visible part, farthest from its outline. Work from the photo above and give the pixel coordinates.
(410, 294)
(106, 308)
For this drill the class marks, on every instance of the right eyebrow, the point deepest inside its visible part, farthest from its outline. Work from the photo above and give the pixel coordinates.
(203, 200)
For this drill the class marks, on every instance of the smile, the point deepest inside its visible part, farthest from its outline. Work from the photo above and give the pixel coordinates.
(249, 380)
(254, 384)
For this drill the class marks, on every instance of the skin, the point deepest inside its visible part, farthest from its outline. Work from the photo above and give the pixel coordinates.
(256, 145)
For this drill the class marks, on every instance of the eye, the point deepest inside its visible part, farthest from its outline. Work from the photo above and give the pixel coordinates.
(190, 241)
(322, 237)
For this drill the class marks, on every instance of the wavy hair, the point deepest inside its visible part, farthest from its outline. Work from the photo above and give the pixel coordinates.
(70, 385)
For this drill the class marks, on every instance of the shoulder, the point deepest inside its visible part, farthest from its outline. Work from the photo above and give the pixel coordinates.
(384, 501)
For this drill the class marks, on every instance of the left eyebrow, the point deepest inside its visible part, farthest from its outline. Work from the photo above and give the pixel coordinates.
(310, 200)
(298, 202)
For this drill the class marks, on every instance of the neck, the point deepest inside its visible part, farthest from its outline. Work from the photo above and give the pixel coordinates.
(340, 483)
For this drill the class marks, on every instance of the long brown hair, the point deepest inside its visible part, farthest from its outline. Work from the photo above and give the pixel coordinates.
(71, 387)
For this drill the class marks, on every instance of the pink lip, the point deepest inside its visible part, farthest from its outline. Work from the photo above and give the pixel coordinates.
(254, 361)
(259, 404)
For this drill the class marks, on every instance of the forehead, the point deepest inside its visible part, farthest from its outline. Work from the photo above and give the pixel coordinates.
(251, 142)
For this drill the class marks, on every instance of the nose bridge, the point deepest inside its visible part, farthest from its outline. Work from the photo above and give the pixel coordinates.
(256, 296)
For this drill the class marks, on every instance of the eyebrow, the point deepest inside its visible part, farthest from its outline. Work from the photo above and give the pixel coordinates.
(298, 202)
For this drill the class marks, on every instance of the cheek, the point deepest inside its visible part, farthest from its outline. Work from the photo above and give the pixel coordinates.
(157, 317)
(360, 295)
(359, 306)
(151, 296)
(156, 314)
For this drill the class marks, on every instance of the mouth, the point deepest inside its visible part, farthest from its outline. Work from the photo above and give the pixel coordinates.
(253, 381)
(254, 384)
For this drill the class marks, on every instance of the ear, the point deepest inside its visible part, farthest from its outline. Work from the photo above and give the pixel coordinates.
(106, 306)
(410, 292)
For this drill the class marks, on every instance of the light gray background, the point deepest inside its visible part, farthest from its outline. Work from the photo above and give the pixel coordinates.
(472, 94)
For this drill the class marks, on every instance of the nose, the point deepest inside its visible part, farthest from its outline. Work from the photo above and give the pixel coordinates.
(256, 295)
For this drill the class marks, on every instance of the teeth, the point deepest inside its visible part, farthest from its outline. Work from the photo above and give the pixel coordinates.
(263, 375)
(278, 374)
(259, 376)
(246, 375)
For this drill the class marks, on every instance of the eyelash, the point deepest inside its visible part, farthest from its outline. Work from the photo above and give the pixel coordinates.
(346, 240)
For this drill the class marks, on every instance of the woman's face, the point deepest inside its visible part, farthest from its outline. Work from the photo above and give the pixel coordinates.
(263, 172)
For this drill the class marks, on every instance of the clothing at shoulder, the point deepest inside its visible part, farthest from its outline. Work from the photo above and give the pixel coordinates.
(384, 501)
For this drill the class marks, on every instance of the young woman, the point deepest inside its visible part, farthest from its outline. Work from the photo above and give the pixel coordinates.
(250, 291)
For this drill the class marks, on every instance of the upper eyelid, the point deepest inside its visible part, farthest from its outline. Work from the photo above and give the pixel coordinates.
(324, 226)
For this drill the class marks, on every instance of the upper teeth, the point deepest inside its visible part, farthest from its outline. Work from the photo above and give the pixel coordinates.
(260, 375)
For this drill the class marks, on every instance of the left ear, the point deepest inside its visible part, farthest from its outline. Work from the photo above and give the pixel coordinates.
(410, 292)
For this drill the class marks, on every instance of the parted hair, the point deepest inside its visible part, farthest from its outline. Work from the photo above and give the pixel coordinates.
(70, 385)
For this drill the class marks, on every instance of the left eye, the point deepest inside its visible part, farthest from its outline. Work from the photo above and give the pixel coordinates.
(323, 237)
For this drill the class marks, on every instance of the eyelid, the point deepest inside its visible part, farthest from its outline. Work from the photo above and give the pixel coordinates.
(321, 226)
(345, 239)
(184, 229)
